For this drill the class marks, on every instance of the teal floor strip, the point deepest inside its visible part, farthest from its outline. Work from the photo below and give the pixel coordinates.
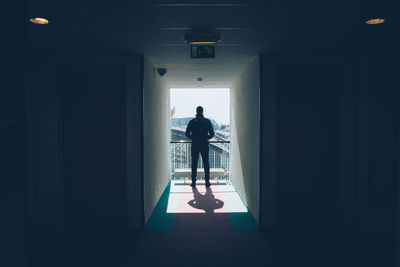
(160, 221)
(243, 222)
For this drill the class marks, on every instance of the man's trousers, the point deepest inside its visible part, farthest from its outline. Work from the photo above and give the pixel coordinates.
(203, 150)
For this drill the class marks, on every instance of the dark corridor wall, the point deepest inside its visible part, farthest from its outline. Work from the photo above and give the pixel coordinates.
(13, 163)
(13, 135)
(84, 145)
(309, 143)
(94, 152)
(329, 141)
(383, 129)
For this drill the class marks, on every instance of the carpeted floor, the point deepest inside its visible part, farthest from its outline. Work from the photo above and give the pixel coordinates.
(200, 233)
(204, 237)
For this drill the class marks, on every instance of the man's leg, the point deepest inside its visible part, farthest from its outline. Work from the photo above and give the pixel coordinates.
(195, 159)
(206, 162)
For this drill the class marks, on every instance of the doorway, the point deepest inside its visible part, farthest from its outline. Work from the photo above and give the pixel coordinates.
(201, 205)
(168, 196)
(222, 196)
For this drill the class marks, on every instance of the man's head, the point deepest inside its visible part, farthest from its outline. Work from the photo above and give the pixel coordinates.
(199, 110)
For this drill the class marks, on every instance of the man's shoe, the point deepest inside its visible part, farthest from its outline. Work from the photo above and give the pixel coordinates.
(208, 184)
(193, 184)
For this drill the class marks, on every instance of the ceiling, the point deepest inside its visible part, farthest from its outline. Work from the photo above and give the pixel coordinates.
(156, 28)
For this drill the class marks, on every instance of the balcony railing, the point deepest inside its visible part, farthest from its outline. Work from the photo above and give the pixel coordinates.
(218, 156)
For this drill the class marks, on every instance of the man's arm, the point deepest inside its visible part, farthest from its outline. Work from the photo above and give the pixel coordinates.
(188, 132)
(210, 130)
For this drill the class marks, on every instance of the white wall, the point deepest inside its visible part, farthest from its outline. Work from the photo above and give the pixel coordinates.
(245, 141)
(156, 137)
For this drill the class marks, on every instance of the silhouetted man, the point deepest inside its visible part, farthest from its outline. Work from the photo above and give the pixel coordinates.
(200, 130)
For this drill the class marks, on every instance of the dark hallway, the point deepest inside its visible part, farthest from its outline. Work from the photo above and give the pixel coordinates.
(85, 134)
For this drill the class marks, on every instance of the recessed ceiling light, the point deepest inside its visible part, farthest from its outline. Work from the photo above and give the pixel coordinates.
(39, 21)
(375, 21)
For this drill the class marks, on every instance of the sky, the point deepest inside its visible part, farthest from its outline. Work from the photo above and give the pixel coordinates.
(215, 101)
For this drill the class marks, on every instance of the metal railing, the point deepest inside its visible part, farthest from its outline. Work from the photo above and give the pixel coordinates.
(181, 155)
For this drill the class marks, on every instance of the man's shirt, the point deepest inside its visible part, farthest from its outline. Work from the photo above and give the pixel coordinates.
(200, 130)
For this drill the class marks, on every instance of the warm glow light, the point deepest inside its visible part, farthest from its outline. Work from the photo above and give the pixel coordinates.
(375, 21)
(202, 43)
(39, 21)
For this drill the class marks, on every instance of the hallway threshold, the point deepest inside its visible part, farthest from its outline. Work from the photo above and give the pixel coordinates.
(219, 198)
(183, 209)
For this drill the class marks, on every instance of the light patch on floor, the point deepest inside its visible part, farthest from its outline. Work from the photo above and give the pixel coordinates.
(219, 198)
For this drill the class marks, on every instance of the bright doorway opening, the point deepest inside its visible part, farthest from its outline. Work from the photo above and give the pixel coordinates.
(222, 196)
